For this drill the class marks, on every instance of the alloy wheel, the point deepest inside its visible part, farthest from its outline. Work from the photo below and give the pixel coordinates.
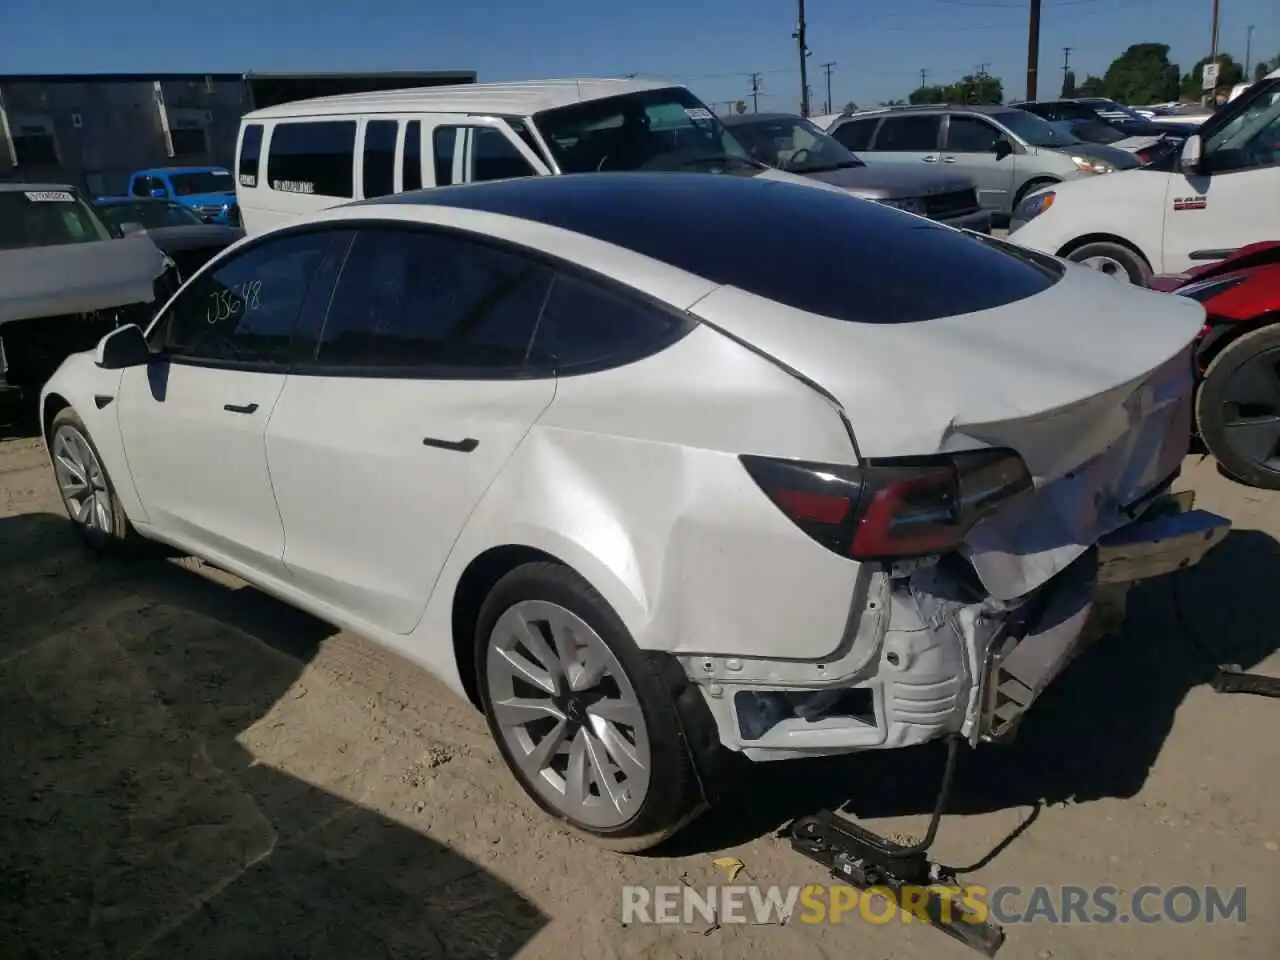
(1251, 410)
(82, 482)
(568, 715)
(1108, 265)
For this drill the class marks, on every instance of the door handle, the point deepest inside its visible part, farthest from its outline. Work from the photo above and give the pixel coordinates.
(240, 407)
(461, 446)
(930, 159)
(948, 159)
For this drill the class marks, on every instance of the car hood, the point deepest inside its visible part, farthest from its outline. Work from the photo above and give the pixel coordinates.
(1089, 381)
(884, 183)
(78, 277)
(190, 237)
(1120, 159)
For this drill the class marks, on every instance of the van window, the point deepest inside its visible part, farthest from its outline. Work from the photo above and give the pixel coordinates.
(313, 157)
(856, 135)
(411, 169)
(250, 151)
(493, 156)
(378, 178)
(910, 134)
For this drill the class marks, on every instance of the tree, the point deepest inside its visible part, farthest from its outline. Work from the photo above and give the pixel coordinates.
(1092, 87)
(850, 107)
(1068, 85)
(1142, 74)
(740, 107)
(971, 88)
(1229, 74)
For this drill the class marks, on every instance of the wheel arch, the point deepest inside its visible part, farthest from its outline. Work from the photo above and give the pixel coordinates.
(1034, 183)
(1085, 239)
(1225, 331)
(53, 404)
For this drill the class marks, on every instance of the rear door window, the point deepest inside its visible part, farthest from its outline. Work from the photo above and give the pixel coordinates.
(379, 169)
(411, 162)
(856, 134)
(492, 156)
(909, 134)
(250, 152)
(313, 157)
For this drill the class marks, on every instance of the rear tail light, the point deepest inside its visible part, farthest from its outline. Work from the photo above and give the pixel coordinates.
(1144, 156)
(892, 509)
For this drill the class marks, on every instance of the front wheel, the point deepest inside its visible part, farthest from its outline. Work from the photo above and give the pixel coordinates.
(87, 491)
(1238, 408)
(579, 714)
(1114, 260)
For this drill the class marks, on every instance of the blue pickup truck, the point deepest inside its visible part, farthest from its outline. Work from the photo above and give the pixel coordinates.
(209, 191)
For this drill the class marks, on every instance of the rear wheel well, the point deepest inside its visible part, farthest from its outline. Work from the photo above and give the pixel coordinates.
(1089, 238)
(53, 405)
(481, 575)
(1237, 329)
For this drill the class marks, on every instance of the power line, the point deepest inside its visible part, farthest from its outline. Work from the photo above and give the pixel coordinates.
(827, 68)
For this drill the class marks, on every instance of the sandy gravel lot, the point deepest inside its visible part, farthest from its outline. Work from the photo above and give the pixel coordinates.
(189, 769)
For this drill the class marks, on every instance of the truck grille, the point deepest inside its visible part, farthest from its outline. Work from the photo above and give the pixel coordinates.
(954, 204)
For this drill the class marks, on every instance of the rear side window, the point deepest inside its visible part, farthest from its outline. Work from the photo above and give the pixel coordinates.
(909, 133)
(411, 165)
(378, 176)
(250, 152)
(313, 157)
(411, 298)
(856, 135)
(585, 323)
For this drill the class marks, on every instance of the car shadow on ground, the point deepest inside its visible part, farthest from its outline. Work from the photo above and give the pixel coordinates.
(135, 822)
(1095, 732)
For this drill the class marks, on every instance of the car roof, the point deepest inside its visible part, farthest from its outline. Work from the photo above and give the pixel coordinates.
(515, 99)
(623, 225)
(13, 186)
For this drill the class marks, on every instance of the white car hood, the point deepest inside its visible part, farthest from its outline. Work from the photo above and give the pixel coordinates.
(1089, 381)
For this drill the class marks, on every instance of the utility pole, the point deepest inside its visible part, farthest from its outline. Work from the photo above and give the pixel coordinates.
(924, 75)
(1213, 51)
(755, 93)
(804, 66)
(827, 68)
(1033, 49)
(1066, 67)
(1248, 50)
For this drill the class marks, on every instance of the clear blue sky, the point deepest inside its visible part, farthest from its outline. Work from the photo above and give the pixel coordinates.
(711, 45)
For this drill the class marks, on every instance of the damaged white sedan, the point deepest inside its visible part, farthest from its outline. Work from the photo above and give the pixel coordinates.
(657, 468)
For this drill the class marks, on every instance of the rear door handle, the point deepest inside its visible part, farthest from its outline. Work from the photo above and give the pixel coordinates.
(240, 407)
(461, 446)
(948, 159)
(930, 159)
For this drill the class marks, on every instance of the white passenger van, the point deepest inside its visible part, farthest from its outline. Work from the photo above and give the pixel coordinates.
(1219, 194)
(296, 158)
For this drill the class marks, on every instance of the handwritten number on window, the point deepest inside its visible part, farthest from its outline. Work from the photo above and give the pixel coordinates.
(229, 303)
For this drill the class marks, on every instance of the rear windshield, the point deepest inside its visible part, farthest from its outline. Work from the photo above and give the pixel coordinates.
(46, 218)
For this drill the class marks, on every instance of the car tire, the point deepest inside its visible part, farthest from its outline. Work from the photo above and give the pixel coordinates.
(1113, 259)
(1218, 405)
(552, 742)
(87, 492)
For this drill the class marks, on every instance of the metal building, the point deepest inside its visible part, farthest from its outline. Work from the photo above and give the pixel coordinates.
(93, 130)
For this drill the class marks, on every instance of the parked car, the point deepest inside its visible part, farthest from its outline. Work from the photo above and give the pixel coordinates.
(1135, 132)
(209, 191)
(187, 238)
(791, 143)
(1213, 196)
(299, 158)
(626, 463)
(1238, 359)
(1100, 132)
(1008, 153)
(65, 280)
(1176, 121)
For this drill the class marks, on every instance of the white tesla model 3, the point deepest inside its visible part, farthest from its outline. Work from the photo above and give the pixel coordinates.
(657, 468)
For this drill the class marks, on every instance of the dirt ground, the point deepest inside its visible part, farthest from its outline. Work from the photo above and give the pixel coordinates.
(190, 769)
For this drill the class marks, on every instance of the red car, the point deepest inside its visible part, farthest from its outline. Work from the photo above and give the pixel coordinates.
(1238, 399)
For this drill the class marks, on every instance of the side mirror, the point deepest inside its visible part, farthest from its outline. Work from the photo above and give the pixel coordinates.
(122, 348)
(132, 229)
(160, 193)
(1192, 154)
(1002, 148)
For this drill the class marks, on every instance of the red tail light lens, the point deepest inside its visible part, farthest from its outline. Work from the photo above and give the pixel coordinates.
(892, 509)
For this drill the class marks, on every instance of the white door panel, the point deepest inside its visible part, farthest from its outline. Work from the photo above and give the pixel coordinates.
(200, 468)
(376, 478)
